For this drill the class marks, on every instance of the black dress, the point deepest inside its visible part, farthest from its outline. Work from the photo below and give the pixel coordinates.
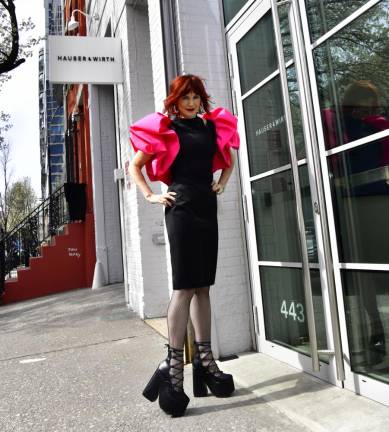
(192, 220)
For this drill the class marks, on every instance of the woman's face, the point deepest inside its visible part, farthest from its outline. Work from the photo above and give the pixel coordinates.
(365, 108)
(189, 105)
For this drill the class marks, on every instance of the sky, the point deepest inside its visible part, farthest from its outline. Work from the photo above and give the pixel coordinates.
(20, 98)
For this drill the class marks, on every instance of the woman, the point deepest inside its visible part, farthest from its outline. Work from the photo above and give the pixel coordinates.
(183, 149)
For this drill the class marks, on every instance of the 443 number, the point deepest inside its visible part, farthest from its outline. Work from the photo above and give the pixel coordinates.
(295, 311)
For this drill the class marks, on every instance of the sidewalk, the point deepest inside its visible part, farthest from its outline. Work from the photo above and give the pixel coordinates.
(78, 362)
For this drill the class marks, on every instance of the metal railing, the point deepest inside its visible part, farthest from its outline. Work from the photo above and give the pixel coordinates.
(26, 239)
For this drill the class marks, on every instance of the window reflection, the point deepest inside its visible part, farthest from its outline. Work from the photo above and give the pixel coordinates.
(359, 115)
(257, 54)
(324, 15)
(284, 308)
(231, 8)
(296, 112)
(310, 232)
(265, 125)
(275, 218)
(366, 295)
(285, 31)
(352, 75)
(265, 129)
(360, 187)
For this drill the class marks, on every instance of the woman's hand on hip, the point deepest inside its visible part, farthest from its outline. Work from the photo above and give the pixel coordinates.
(167, 199)
(217, 187)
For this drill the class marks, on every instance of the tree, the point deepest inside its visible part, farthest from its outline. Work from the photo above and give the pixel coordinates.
(21, 201)
(17, 199)
(5, 159)
(360, 51)
(5, 125)
(13, 52)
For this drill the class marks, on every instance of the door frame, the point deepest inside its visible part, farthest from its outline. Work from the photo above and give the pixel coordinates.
(294, 358)
(353, 381)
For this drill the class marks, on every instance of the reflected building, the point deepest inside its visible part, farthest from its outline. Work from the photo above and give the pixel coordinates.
(51, 110)
(42, 124)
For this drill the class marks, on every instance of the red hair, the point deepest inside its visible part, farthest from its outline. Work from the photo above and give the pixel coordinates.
(359, 91)
(182, 85)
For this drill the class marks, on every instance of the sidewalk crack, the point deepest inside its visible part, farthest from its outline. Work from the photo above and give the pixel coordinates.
(66, 349)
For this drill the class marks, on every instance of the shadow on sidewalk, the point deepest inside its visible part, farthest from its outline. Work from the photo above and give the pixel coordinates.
(300, 388)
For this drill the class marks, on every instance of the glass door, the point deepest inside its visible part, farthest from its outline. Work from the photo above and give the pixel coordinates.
(346, 47)
(287, 267)
(311, 92)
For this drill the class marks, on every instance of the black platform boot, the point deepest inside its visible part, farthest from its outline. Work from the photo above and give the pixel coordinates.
(207, 374)
(169, 386)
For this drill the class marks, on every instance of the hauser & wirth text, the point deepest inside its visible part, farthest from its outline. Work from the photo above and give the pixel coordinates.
(86, 59)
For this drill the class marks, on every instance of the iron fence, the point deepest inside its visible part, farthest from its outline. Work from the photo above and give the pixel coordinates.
(26, 239)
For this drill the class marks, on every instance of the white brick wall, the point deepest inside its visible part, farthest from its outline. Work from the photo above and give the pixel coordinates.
(154, 270)
(145, 262)
(105, 193)
(159, 85)
(157, 54)
(202, 52)
(106, 199)
(110, 189)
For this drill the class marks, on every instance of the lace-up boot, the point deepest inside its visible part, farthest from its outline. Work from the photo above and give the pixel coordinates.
(167, 384)
(206, 373)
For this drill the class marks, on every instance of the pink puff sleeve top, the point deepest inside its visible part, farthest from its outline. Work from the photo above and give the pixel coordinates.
(152, 135)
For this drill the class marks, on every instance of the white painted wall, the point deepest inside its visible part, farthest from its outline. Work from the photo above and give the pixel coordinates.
(144, 261)
(105, 193)
(201, 46)
(202, 52)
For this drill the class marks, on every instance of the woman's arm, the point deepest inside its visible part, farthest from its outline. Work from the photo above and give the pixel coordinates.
(224, 176)
(136, 165)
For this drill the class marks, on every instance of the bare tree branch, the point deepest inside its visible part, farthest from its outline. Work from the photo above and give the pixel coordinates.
(11, 61)
(13, 51)
(5, 159)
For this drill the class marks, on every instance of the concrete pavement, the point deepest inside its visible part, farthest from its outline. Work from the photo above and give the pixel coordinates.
(78, 361)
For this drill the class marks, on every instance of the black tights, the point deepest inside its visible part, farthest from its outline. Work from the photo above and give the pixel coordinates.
(195, 302)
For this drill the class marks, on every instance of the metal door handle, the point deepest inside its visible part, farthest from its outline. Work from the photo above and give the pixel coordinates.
(300, 217)
(303, 77)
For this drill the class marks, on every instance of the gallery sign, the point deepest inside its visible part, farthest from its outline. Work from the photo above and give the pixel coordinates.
(84, 60)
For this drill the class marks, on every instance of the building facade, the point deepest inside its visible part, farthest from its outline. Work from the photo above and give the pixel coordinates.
(52, 139)
(303, 270)
(42, 124)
